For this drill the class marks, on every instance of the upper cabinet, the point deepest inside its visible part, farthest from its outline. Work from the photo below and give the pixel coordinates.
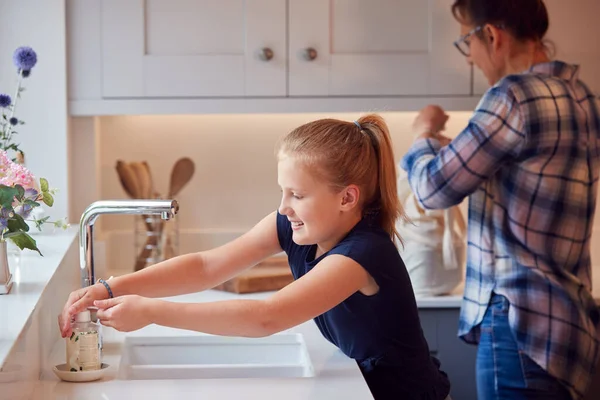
(193, 48)
(374, 48)
(183, 50)
(573, 35)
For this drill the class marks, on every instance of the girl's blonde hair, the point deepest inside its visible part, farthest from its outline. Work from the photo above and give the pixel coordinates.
(343, 153)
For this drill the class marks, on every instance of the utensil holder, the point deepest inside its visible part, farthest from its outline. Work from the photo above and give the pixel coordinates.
(151, 246)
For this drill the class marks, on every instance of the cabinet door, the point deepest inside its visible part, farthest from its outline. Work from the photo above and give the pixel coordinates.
(574, 34)
(193, 48)
(374, 48)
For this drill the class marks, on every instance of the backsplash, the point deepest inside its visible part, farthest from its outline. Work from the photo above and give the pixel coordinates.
(235, 183)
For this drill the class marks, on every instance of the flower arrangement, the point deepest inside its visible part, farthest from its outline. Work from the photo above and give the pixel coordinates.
(24, 59)
(19, 195)
(19, 192)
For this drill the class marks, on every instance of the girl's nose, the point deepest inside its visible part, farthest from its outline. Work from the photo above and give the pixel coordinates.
(284, 209)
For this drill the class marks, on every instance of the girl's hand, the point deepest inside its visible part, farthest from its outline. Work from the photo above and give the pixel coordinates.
(429, 122)
(79, 301)
(124, 313)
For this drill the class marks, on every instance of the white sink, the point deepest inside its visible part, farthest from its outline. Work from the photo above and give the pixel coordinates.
(212, 357)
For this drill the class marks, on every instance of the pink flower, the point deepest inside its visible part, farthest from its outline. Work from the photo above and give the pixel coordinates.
(14, 174)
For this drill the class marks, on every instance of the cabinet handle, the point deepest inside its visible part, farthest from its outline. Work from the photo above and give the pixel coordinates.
(309, 54)
(265, 54)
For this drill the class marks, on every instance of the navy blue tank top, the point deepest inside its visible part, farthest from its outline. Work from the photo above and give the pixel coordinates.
(381, 331)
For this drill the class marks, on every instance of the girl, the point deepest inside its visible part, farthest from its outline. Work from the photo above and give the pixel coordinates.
(336, 222)
(528, 160)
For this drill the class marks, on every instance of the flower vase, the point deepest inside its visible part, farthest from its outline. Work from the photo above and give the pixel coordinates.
(5, 276)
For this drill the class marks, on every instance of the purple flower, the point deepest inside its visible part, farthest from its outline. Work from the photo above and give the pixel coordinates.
(5, 100)
(24, 58)
(31, 194)
(23, 210)
(14, 121)
(5, 215)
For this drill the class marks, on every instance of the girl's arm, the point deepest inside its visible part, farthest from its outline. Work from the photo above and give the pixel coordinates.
(204, 270)
(185, 274)
(329, 283)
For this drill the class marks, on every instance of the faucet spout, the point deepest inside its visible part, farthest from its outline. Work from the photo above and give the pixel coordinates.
(167, 209)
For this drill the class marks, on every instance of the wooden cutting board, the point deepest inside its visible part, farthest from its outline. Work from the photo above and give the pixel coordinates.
(271, 274)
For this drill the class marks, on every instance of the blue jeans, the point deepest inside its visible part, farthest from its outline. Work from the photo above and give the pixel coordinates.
(505, 372)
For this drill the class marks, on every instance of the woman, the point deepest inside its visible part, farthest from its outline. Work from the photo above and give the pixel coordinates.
(528, 161)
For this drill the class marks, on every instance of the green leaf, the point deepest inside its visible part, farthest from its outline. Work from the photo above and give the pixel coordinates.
(72, 334)
(44, 184)
(40, 222)
(77, 338)
(24, 241)
(31, 203)
(73, 369)
(21, 191)
(17, 224)
(48, 199)
(7, 196)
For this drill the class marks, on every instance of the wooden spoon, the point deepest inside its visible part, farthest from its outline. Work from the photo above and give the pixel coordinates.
(181, 174)
(128, 179)
(144, 180)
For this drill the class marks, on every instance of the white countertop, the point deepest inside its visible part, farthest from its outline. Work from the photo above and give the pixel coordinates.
(336, 376)
(30, 277)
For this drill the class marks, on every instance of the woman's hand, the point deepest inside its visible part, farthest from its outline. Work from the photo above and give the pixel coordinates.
(429, 122)
(124, 313)
(77, 302)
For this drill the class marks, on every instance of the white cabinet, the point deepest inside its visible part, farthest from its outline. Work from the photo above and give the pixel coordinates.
(374, 48)
(240, 56)
(193, 48)
(574, 33)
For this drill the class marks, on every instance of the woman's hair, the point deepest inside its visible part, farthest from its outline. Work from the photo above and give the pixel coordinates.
(341, 153)
(525, 19)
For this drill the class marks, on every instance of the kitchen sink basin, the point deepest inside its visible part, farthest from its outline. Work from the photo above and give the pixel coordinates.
(213, 357)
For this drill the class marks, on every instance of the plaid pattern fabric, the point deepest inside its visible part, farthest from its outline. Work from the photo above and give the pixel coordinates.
(529, 162)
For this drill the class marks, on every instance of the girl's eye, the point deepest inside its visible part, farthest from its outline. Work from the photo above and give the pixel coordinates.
(298, 197)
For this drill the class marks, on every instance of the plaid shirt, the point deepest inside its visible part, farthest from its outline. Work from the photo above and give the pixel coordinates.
(529, 162)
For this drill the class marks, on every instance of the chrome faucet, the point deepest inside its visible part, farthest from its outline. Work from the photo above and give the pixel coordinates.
(165, 208)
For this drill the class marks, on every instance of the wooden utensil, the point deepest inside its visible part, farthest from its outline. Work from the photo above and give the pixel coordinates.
(143, 179)
(181, 174)
(131, 185)
(128, 179)
(145, 191)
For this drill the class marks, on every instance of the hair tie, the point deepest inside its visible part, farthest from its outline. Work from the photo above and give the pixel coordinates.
(357, 124)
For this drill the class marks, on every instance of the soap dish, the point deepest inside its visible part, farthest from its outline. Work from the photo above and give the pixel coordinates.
(62, 371)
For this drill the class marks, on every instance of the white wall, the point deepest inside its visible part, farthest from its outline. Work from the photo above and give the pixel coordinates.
(39, 24)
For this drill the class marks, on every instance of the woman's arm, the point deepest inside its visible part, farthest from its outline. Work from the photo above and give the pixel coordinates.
(329, 283)
(443, 177)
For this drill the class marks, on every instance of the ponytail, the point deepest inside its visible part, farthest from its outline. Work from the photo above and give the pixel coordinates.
(385, 198)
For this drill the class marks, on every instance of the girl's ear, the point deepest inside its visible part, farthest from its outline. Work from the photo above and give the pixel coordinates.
(350, 197)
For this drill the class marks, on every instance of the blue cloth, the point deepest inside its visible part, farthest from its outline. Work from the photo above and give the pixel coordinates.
(528, 160)
(381, 332)
(504, 372)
